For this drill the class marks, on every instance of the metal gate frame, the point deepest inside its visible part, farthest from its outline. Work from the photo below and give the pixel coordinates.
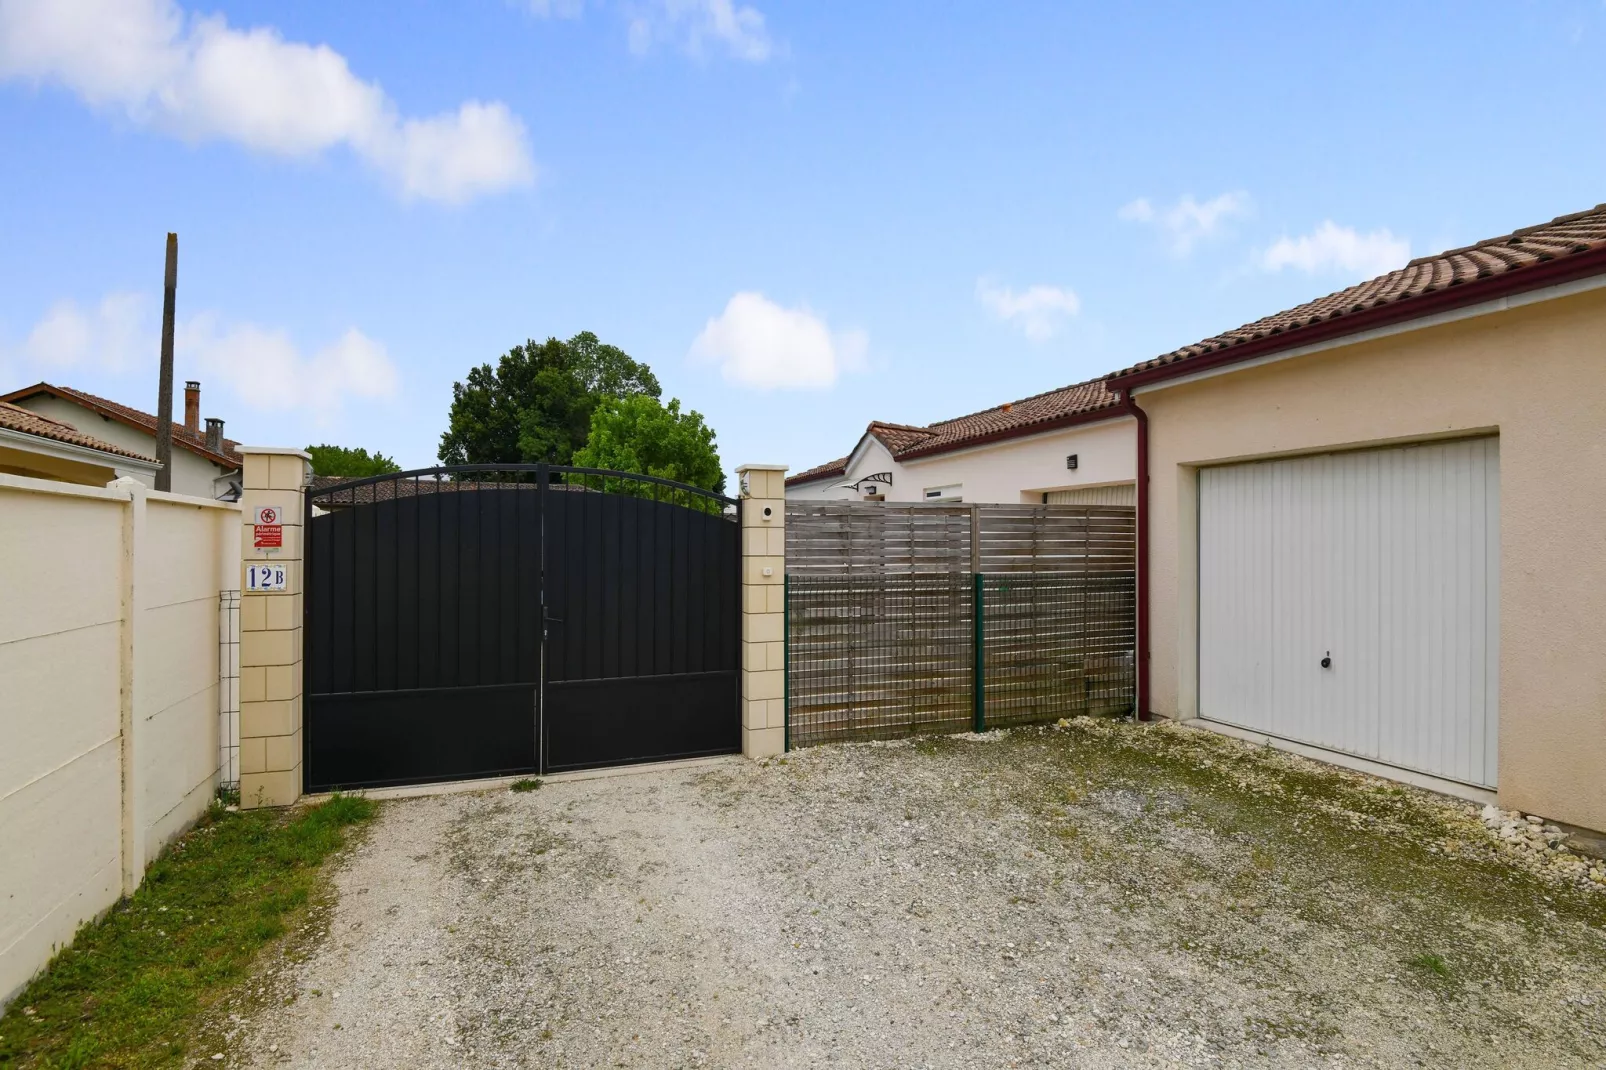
(647, 493)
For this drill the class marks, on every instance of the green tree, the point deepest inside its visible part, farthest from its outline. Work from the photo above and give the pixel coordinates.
(353, 463)
(536, 404)
(640, 434)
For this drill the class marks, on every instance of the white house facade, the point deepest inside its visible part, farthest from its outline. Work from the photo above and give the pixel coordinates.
(1075, 445)
(205, 464)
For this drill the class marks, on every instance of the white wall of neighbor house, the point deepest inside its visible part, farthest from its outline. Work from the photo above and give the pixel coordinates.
(1009, 472)
(192, 474)
(1017, 470)
(109, 710)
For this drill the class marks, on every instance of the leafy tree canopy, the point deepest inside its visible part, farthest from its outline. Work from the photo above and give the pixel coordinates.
(639, 434)
(536, 404)
(353, 463)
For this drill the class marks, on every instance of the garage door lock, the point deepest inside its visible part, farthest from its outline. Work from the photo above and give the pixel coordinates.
(1327, 661)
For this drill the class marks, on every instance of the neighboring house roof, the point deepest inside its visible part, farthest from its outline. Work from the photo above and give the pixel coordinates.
(1077, 403)
(194, 442)
(1567, 247)
(898, 437)
(1062, 407)
(17, 418)
(838, 467)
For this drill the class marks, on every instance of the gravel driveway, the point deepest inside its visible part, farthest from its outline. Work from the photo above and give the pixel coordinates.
(1090, 895)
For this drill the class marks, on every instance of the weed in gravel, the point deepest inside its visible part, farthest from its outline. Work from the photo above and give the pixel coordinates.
(527, 784)
(1430, 963)
(133, 987)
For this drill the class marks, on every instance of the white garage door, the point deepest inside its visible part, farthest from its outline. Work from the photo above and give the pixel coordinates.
(1385, 562)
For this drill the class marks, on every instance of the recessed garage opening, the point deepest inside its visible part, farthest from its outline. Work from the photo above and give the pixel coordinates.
(1351, 601)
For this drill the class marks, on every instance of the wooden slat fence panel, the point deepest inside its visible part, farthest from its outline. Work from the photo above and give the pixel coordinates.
(881, 616)
(880, 538)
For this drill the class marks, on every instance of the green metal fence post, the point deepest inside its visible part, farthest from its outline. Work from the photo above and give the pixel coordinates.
(786, 664)
(979, 699)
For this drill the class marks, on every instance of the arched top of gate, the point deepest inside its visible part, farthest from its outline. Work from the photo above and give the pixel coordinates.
(329, 492)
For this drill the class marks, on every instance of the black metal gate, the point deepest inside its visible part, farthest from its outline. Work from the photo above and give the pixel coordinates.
(478, 621)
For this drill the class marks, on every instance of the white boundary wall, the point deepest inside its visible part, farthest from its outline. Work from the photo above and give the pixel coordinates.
(109, 736)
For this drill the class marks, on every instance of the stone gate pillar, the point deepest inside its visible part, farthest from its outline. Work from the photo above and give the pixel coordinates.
(763, 610)
(270, 624)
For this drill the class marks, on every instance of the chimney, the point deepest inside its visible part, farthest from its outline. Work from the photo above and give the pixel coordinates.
(214, 434)
(192, 407)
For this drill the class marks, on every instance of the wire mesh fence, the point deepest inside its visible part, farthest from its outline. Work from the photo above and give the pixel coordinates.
(228, 690)
(878, 657)
(888, 656)
(1057, 645)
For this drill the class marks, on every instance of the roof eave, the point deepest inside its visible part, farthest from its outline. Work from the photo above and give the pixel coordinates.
(73, 451)
(1519, 280)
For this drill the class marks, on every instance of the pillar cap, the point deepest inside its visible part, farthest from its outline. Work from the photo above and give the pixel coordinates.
(760, 468)
(281, 451)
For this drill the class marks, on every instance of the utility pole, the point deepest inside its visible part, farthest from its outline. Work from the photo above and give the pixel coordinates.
(164, 404)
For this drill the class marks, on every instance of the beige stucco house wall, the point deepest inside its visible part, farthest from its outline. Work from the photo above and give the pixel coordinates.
(1531, 369)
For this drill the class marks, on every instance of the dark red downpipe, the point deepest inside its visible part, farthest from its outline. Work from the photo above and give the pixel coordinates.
(1142, 698)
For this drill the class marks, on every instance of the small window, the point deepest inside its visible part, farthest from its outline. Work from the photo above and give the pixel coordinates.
(952, 493)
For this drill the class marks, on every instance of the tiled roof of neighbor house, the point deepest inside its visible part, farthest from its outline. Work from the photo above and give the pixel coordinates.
(838, 467)
(1076, 403)
(1079, 400)
(183, 438)
(17, 418)
(1474, 269)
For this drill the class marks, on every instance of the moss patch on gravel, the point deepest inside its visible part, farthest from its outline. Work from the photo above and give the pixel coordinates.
(133, 987)
(1243, 832)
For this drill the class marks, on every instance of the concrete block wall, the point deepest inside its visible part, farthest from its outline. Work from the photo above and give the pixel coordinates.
(109, 653)
(763, 608)
(270, 633)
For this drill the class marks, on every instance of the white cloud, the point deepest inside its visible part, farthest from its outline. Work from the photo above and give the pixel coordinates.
(555, 9)
(695, 25)
(262, 367)
(1039, 310)
(197, 78)
(1188, 222)
(110, 336)
(758, 343)
(267, 371)
(1331, 247)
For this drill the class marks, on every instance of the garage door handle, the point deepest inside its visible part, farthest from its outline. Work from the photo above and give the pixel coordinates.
(1327, 662)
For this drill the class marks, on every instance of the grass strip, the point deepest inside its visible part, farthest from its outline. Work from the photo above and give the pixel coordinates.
(132, 986)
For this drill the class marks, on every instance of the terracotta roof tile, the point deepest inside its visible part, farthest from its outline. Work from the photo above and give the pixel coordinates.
(898, 437)
(17, 418)
(1493, 258)
(838, 467)
(195, 442)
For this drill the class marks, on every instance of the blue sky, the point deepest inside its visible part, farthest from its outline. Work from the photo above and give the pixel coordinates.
(803, 216)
